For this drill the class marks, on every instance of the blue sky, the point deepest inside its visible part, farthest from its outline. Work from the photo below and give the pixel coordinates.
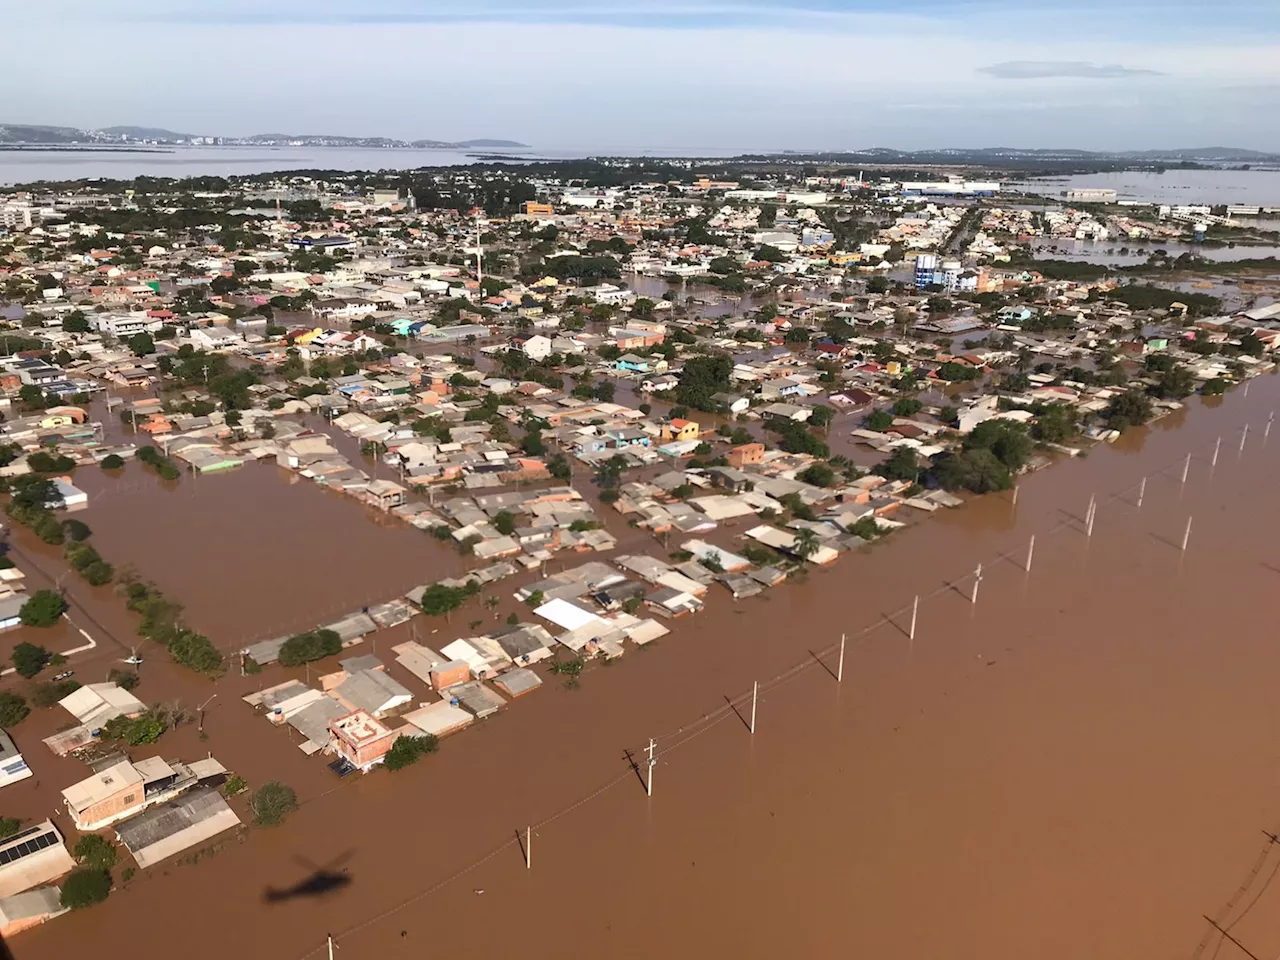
(655, 74)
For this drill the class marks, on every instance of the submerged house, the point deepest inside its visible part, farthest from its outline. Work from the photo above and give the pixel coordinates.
(176, 825)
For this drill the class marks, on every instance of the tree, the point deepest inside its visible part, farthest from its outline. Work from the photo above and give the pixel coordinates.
(13, 709)
(408, 749)
(1008, 441)
(818, 474)
(141, 344)
(84, 887)
(42, 609)
(112, 461)
(504, 522)
(439, 599)
(977, 470)
(8, 827)
(532, 444)
(907, 407)
(1214, 388)
(1056, 423)
(136, 731)
(1130, 409)
(1175, 383)
(900, 465)
(306, 647)
(76, 530)
(194, 651)
(822, 416)
(702, 378)
(879, 420)
(806, 543)
(75, 322)
(272, 802)
(95, 852)
(29, 659)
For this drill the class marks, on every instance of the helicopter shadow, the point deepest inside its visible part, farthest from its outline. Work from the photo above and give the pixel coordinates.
(319, 882)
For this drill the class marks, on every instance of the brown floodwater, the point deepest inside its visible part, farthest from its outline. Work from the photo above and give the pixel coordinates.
(1080, 764)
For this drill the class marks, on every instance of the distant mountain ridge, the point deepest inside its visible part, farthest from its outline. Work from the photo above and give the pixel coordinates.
(995, 155)
(37, 134)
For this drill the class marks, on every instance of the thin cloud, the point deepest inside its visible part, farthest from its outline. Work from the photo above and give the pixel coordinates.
(1042, 69)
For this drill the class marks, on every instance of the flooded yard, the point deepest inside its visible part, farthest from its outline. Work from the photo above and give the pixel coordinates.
(1077, 765)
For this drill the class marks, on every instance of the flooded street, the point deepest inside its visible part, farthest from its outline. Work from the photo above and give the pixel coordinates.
(1080, 764)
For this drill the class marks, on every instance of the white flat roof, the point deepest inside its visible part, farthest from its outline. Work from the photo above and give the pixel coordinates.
(567, 615)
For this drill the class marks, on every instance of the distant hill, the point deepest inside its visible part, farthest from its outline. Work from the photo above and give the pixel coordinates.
(1234, 154)
(141, 133)
(469, 144)
(334, 140)
(34, 134)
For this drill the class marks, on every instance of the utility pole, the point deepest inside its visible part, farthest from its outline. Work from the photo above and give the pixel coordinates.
(840, 662)
(977, 579)
(332, 945)
(200, 710)
(1247, 951)
(1031, 550)
(528, 849)
(1267, 431)
(1216, 447)
(915, 609)
(1244, 435)
(1186, 466)
(1088, 522)
(648, 786)
(1015, 494)
(1186, 535)
(1142, 491)
(755, 690)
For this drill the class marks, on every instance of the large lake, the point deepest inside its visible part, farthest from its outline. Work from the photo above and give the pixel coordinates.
(1245, 187)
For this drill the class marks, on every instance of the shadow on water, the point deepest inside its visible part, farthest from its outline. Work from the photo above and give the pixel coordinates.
(320, 882)
(5, 952)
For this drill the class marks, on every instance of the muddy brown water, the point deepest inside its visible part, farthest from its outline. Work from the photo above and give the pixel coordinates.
(1081, 764)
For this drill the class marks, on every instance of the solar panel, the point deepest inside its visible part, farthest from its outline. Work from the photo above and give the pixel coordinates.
(17, 851)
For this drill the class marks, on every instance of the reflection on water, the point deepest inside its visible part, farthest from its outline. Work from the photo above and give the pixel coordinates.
(1108, 252)
(1243, 187)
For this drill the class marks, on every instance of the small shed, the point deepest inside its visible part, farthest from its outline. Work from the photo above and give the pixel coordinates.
(517, 682)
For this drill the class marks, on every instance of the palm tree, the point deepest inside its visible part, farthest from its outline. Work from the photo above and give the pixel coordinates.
(491, 603)
(806, 543)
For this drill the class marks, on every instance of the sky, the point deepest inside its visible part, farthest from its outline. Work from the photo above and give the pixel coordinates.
(654, 75)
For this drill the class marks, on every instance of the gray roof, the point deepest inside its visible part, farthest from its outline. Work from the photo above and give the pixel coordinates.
(476, 698)
(525, 639)
(312, 721)
(518, 681)
(39, 902)
(163, 821)
(364, 662)
(369, 690)
(8, 748)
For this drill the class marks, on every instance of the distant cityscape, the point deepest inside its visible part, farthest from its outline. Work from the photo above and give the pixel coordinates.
(34, 134)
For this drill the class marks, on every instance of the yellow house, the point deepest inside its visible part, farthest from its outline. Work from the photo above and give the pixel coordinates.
(304, 338)
(679, 429)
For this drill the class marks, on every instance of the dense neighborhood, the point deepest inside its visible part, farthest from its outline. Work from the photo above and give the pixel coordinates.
(610, 396)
